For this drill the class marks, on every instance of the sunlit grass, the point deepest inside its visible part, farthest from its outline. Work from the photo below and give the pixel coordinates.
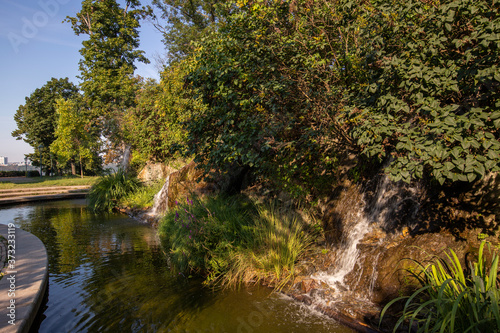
(108, 190)
(143, 196)
(233, 242)
(278, 241)
(21, 182)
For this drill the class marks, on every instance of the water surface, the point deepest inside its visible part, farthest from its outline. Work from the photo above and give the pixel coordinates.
(107, 273)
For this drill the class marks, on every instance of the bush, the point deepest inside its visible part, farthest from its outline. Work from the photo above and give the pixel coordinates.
(452, 299)
(431, 100)
(106, 192)
(202, 235)
(231, 242)
(12, 173)
(33, 173)
(143, 196)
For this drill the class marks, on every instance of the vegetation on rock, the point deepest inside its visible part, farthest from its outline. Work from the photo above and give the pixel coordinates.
(453, 298)
(230, 241)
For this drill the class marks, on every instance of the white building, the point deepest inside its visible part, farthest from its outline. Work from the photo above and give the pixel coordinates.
(4, 160)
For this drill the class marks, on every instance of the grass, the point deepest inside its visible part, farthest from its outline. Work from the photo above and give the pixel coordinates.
(21, 182)
(231, 241)
(278, 241)
(454, 299)
(143, 197)
(106, 192)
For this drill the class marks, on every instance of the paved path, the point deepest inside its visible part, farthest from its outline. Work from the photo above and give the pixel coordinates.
(24, 280)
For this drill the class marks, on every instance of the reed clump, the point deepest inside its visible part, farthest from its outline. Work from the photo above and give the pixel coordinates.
(454, 299)
(106, 192)
(143, 196)
(232, 241)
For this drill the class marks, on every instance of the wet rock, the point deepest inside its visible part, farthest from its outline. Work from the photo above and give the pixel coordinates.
(306, 285)
(381, 271)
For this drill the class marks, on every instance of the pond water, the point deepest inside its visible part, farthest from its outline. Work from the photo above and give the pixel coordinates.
(107, 273)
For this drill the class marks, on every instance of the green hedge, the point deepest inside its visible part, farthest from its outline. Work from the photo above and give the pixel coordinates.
(12, 173)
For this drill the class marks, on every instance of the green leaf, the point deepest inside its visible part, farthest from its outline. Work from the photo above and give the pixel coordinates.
(492, 154)
(471, 177)
(480, 169)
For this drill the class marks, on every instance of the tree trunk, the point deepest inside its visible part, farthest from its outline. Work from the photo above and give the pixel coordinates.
(81, 166)
(73, 168)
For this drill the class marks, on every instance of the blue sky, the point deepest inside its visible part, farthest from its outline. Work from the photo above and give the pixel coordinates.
(34, 47)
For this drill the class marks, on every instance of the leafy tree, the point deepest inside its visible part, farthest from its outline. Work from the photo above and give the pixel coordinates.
(432, 103)
(273, 78)
(36, 119)
(155, 126)
(75, 140)
(186, 21)
(107, 66)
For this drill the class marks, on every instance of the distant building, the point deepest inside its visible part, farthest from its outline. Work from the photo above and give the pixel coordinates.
(4, 160)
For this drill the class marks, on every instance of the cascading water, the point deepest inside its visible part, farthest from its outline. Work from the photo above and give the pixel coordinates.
(361, 223)
(160, 205)
(357, 223)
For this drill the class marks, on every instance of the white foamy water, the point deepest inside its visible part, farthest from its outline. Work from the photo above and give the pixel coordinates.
(160, 205)
(362, 222)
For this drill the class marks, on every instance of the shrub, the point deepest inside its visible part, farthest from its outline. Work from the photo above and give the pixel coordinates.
(106, 192)
(452, 299)
(201, 235)
(12, 173)
(143, 196)
(33, 173)
(431, 99)
(231, 242)
(278, 240)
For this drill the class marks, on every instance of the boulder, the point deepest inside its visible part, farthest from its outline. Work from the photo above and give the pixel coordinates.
(155, 171)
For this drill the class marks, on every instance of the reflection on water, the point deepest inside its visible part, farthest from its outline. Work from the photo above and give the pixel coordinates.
(107, 273)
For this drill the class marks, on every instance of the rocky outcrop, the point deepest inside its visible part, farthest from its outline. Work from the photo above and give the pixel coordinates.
(155, 171)
(401, 224)
(406, 224)
(181, 184)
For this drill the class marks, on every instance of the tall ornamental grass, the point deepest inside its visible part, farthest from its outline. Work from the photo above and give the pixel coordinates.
(230, 241)
(453, 299)
(201, 236)
(108, 190)
(278, 241)
(143, 196)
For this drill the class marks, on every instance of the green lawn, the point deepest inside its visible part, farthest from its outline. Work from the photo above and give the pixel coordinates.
(23, 182)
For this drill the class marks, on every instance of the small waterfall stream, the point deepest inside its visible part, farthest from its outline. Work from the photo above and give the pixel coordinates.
(160, 205)
(358, 222)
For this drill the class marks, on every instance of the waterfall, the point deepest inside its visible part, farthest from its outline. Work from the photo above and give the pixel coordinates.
(358, 220)
(160, 205)
(127, 149)
(347, 253)
(374, 275)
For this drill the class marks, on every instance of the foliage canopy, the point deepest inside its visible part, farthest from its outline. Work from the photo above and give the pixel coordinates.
(108, 60)
(431, 102)
(37, 119)
(75, 139)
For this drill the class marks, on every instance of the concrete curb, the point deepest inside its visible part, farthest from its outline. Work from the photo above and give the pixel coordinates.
(46, 188)
(16, 200)
(25, 280)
